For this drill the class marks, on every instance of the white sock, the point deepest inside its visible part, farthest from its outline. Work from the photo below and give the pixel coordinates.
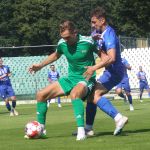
(81, 131)
(43, 126)
(118, 117)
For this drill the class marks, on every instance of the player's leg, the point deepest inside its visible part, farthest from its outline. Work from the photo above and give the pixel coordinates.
(12, 97)
(3, 95)
(58, 88)
(8, 106)
(119, 91)
(148, 89)
(59, 102)
(127, 89)
(48, 102)
(51, 91)
(106, 106)
(77, 93)
(106, 82)
(91, 109)
(141, 91)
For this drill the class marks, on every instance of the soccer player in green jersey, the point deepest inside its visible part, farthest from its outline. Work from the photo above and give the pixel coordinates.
(79, 51)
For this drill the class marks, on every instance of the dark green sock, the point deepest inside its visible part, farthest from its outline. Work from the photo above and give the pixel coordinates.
(41, 112)
(78, 108)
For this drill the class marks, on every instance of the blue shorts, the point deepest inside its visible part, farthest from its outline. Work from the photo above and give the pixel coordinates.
(6, 91)
(124, 84)
(144, 85)
(110, 80)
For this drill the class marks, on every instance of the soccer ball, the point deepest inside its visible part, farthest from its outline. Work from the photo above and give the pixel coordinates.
(33, 129)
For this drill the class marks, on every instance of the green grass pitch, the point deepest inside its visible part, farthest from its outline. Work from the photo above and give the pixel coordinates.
(61, 124)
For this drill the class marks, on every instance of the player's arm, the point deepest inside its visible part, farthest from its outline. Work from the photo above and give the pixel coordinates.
(3, 76)
(58, 76)
(51, 58)
(106, 59)
(138, 76)
(127, 65)
(49, 78)
(6, 74)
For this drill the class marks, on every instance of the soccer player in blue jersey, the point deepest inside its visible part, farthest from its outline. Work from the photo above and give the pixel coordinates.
(6, 90)
(53, 76)
(142, 82)
(124, 84)
(108, 45)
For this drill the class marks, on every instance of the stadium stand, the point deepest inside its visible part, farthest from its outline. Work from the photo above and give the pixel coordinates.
(25, 83)
(137, 57)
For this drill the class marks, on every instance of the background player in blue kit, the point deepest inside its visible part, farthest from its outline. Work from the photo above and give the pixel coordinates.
(124, 84)
(143, 83)
(53, 76)
(108, 45)
(6, 90)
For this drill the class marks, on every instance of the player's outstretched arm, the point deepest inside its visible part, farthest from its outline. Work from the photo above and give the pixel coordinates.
(51, 58)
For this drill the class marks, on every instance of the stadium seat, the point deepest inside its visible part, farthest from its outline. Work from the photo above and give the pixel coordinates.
(137, 57)
(25, 83)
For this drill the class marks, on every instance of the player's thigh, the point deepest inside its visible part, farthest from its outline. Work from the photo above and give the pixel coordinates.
(79, 91)
(3, 92)
(126, 87)
(109, 80)
(51, 91)
(146, 87)
(11, 93)
(118, 89)
(141, 87)
(97, 92)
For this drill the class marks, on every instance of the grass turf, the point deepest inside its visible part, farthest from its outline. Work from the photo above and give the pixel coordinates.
(61, 124)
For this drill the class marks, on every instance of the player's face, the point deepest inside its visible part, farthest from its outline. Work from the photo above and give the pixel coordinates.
(1, 62)
(97, 23)
(140, 68)
(53, 68)
(70, 38)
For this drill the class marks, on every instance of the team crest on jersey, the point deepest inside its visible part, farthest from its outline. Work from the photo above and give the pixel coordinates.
(83, 51)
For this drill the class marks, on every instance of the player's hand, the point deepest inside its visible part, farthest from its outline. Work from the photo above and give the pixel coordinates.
(96, 36)
(34, 68)
(3, 76)
(89, 72)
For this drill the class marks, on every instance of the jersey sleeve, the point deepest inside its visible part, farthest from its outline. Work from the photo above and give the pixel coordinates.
(138, 75)
(59, 47)
(125, 62)
(58, 75)
(110, 40)
(49, 75)
(8, 70)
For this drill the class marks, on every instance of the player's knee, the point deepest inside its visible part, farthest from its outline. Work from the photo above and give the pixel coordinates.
(97, 97)
(118, 91)
(40, 96)
(74, 95)
(128, 93)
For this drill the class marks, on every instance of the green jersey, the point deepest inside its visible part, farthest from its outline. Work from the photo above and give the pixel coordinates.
(79, 55)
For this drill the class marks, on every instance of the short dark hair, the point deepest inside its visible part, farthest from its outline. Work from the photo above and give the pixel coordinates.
(98, 12)
(52, 66)
(67, 25)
